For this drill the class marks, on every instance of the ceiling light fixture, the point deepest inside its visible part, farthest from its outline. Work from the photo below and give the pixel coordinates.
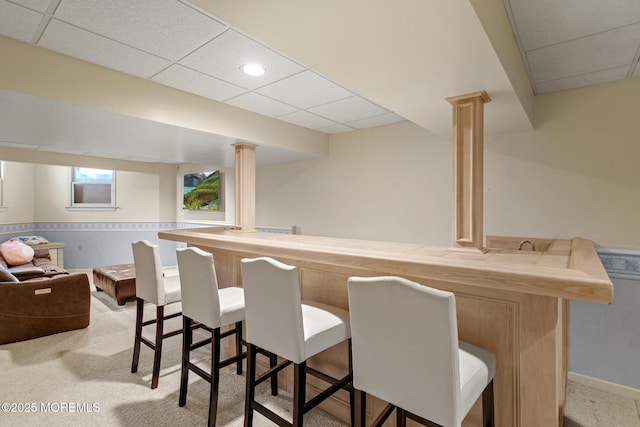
(254, 70)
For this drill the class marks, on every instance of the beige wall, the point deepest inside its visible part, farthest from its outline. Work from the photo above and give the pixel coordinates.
(389, 183)
(36, 192)
(18, 193)
(575, 175)
(137, 198)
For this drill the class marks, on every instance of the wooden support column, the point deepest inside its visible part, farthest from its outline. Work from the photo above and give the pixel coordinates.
(245, 186)
(468, 140)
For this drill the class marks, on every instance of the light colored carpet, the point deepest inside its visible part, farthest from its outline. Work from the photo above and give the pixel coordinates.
(91, 367)
(83, 378)
(591, 407)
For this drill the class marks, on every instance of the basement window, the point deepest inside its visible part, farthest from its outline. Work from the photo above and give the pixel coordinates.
(92, 188)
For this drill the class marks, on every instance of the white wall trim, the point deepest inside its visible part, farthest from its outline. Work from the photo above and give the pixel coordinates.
(618, 389)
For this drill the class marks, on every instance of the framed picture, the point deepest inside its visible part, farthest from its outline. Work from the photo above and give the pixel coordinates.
(201, 191)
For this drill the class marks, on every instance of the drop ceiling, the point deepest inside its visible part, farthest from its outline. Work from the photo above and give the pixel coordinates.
(414, 55)
(173, 43)
(574, 43)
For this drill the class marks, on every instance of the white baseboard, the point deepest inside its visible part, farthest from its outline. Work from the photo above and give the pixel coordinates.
(607, 386)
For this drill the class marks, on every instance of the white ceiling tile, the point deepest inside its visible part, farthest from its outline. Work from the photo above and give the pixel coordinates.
(335, 129)
(17, 22)
(223, 56)
(90, 47)
(598, 52)
(16, 144)
(636, 72)
(582, 80)
(38, 5)
(545, 22)
(381, 120)
(261, 104)
(349, 109)
(106, 154)
(305, 90)
(195, 82)
(166, 28)
(308, 120)
(66, 150)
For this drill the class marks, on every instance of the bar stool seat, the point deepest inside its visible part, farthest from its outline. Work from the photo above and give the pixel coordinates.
(406, 352)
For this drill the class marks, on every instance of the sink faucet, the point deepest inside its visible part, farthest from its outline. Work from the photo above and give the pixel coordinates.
(533, 245)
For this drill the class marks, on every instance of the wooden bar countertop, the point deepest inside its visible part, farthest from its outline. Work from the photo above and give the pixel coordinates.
(511, 302)
(568, 269)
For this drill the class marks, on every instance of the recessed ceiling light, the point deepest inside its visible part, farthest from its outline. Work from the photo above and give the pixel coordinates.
(253, 69)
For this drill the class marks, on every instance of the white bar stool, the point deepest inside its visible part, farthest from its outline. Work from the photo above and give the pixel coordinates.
(406, 352)
(279, 322)
(153, 287)
(210, 308)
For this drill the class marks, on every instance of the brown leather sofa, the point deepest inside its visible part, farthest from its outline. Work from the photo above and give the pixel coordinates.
(39, 298)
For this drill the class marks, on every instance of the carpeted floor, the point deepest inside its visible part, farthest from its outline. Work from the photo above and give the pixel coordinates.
(90, 369)
(83, 378)
(591, 407)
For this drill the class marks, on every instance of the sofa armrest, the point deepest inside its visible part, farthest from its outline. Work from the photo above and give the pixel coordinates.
(49, 268)
(26, 271)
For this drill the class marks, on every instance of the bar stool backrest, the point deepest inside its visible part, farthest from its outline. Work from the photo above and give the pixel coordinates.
(149, 277)
(200, 299)
(273, 307)
(405, 346)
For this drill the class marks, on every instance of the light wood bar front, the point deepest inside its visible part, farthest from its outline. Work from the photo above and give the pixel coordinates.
(511, 302)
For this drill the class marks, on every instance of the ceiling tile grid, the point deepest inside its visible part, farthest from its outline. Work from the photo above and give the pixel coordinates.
(305, 90)
(192, 81)
(37, 5)
(575, 43)
(18, 22)
(306, 119)
(589, 54)
(582, 80)
(173, 43)
(545, 22)
(164, 28)
(224, 56)
(64, 38)
(260, 104)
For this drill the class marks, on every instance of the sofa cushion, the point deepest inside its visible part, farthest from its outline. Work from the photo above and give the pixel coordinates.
(16, 253)
(6, 276)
